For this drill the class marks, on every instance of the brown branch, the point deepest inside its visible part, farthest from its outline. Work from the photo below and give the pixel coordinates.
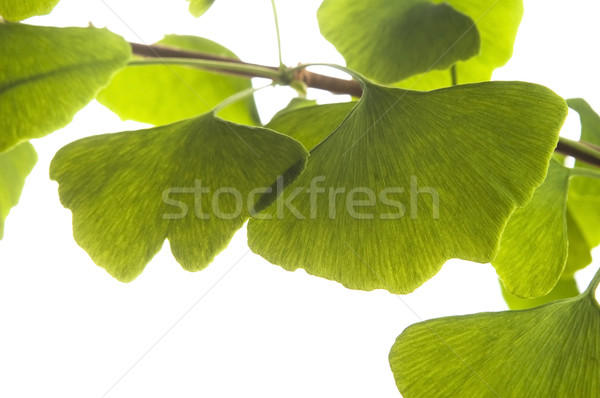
(574, 149)
(313, 80)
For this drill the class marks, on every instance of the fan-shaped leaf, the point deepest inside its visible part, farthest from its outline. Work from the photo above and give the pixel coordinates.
(323, 119)
(533, 249)
(566, 287)
(194, 182)
(497, 23)
(162, 94)
(15, 166)
(18, 10)
(391, 40)
(52, 74)
(409, 180)
(548, 351)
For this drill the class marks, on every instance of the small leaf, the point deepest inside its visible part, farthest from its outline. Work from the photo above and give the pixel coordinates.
(579, 253)
(199, 7)
(391, 40)
(15, 166)
(548, 351)
(18, 10)
(163, 94)
(497, 23)
(295, 103)
(194, 182)
(533, 249)
(409, 180)
(52, 74)
(323, 119)
(565, 288)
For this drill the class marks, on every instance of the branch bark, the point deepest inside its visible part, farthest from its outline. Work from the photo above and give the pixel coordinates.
(578, 149)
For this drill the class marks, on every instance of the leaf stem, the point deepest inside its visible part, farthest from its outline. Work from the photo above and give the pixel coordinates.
(583, 172)
(276, 18)
(591, 290)
(579, 150)
(232, 67)
(237, 97)
(453, 75)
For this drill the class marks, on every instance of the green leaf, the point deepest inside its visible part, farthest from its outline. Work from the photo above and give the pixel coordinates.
(534, 245)
(199, 7)
(18, 10)
(129, 191)
(163, 94)
(52, 74)
(564, 288)
(15, 166)
(548, 351)
(425, 177)
(391, 40)
(497, 23)
(579, 253)
(295, 103)
(323, 119)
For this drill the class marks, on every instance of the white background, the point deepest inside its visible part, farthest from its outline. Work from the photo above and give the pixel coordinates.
(242, 327)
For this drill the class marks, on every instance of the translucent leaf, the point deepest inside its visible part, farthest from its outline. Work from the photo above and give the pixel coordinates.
(497, 23)
(548, 351)
(163, 94)
(18, 10)
(565, 288)
(409, 180)
(391, 40)
(199, 7)
(15, 166)
(52, 74)
(194, 182)
(533, 249)
(323, 120)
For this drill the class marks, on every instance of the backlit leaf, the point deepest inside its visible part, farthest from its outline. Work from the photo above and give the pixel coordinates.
(52, 74)
(409, 180)
(533, 249)
(322, 120)
(199, 7)
(15, 166)
(18, 10)
(162, 94)
(390, 40)
(497, 23)
(547, 351)
(566, 287)
(193, 182)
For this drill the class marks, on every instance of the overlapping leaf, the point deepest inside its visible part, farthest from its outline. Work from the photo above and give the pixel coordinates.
(162, 94)
(18, 10)
(409, 180)
(199, 7)
(391, 40)
(548, 351)
(533, 249)
(194, 182)
(322, 120)
(52, 74)
(565, 288)
(15, 166)
(497, 23)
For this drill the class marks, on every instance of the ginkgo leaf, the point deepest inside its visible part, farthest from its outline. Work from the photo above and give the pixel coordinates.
(199, 7)
(391, 40)
(52, 74)
(295, 103)
(18, 10)
(579, 253)
(194, 182)
(409, 180)
(547, 351)
(566, 287)
(497, 23)
(534, 245)
(323, 119)
(15, 166)
(163, 94)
